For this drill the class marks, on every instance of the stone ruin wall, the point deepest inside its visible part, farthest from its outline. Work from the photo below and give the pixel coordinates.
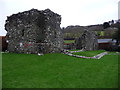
(34, 31)
(87, 41)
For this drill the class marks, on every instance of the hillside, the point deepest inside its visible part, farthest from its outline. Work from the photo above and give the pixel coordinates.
(76, 31)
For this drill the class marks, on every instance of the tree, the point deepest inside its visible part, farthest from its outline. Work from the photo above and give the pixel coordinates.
(112, 21)
(116, 36)
(106, 25)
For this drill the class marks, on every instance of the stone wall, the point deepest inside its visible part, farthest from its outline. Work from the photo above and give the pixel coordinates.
(87, 41)
(34, 31)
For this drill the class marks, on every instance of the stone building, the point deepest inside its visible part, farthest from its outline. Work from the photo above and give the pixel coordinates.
(34, 31)
(87, 41)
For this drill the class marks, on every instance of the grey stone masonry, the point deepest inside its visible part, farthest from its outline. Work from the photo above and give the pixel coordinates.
(70, 53)
(34, 31)
(87, 41)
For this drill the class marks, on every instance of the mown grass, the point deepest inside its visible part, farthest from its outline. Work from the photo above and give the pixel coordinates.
(69, 41)
(75, 50)
(89, 53)
(58, 71)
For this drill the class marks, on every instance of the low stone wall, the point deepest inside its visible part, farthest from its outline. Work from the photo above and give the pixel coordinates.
(78, 56)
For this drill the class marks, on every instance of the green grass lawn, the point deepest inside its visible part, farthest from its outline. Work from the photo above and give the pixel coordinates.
(75, 50)
(58, 71)
(69, 41)
(89, 53)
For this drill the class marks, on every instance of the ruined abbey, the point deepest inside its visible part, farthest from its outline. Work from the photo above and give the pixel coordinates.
(34, 31)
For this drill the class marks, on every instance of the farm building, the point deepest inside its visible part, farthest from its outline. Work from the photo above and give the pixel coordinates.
(3, 43)
(107, 44)
(34, 31)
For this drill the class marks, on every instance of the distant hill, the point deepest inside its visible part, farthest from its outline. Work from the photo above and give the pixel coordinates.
(73, 31)
(76, 31)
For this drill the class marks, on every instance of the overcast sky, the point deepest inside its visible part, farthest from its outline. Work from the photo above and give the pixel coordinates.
(73, 12)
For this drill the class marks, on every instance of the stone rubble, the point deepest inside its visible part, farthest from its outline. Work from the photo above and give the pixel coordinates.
(40, 54)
